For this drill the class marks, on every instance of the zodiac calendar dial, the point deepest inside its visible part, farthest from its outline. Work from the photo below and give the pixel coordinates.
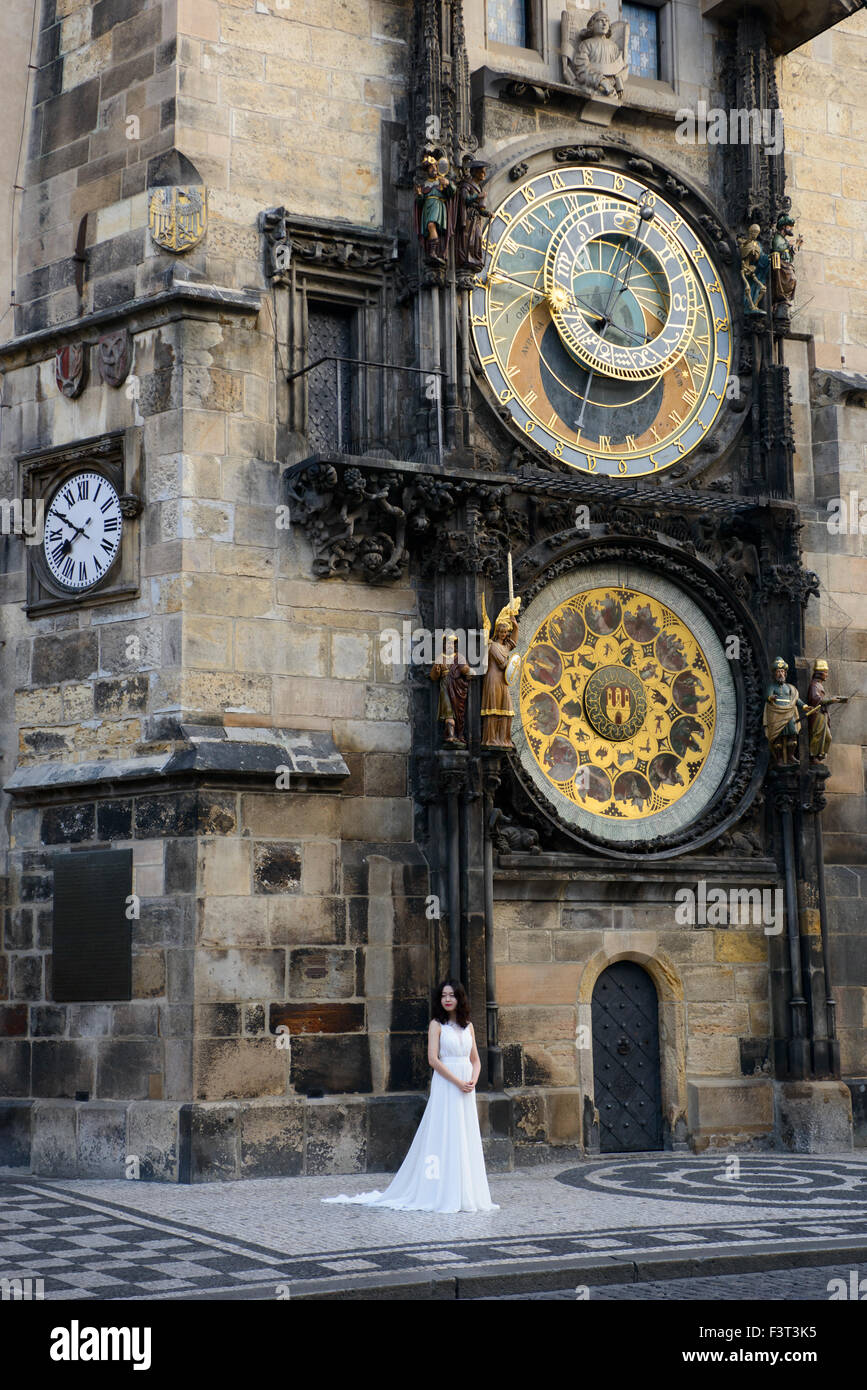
(600, 322)
(625, 706)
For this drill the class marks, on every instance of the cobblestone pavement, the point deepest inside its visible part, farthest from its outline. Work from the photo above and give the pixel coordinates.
(116, 1239)
(772, 1286)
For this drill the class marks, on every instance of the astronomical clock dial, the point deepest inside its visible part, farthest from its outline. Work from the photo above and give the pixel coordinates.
(83, 530)
(626, 704)
(600, 322)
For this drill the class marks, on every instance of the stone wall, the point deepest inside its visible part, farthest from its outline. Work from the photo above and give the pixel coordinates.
(552, 942)
(822, 91)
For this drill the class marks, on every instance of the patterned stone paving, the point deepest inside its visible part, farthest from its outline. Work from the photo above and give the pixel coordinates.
(114, 1240)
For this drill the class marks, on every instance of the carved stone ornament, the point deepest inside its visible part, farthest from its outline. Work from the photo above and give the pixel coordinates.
(70, 369)
(287, 240)
(114, 357)
(593, 52)
(364, 522)
(178, 216)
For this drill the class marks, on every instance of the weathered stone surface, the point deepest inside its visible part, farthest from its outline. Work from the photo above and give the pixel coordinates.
(153, 1138)
(306, 921)
(125, 1066)
(60, 1069)
(813, 1116)
(391, 1125)
(215, 1133)
(336, 1139)
(321, 974)
(15, 1127)
(317, 1018)
(336, 1064)
(272, 1140)
(53, 1142)
(276, 867)
(101, 1140)
(239, 1068)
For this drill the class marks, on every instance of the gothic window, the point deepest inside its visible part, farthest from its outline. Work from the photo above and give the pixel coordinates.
(509, 22)
(330, 335)
(643, 21)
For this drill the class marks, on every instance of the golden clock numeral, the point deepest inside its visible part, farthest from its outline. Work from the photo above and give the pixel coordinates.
(653, 460)
(486, 361)
(679, 444)
(553, 420)
(556, 179)
(477, 318)
(530, 426)
(513, 371)
(619, 182)
(622, 466)
(714, 288)
(702, 425)
(715, 393)
(558, 449)
(497, 304)
(690, 396)
(676, 224)
(721, 325)
(529, 194)
(588, 177)
(529, 397)
(510, 244)
(505, 395)
(673, 415)
(630, 441)
(698, 254)
(591, 463)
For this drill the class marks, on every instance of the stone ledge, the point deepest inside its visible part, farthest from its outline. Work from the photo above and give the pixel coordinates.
(239, 753)
(150, 310)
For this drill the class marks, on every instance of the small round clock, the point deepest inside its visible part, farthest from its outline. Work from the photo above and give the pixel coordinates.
(600, 322)
(83, 530)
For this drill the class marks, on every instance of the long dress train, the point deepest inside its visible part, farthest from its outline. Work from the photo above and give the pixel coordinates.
(445, 1167)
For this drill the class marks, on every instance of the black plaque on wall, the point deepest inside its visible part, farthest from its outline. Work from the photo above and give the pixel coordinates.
(92, 934)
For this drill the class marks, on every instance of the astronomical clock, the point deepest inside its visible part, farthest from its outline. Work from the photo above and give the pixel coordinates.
(600, 322)
(603, 332)
(626, 704)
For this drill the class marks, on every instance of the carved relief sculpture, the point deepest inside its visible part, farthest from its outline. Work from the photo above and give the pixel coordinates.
(434, 208)
(453, 675)
(113, 355)
(780, 720)
(818, 722)
(593, 52)
(472, 217)
(755, 264)
(69, 369)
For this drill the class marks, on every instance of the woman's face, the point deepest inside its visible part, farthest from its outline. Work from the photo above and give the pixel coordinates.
(449, 1002)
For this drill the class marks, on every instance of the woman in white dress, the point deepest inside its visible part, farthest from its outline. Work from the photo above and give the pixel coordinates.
(444, 1169)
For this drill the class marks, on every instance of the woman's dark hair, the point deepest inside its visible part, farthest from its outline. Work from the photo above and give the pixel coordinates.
(462, 1012)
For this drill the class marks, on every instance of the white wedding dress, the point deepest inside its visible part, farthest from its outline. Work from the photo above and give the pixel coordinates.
(445, 1167)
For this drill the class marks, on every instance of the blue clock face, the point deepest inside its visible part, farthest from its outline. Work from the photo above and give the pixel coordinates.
(600, 323)
(83, 530)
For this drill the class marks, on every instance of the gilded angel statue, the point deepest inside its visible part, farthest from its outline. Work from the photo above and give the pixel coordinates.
(593, 52)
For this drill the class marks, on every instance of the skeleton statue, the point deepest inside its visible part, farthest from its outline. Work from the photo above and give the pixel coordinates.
(593, 52)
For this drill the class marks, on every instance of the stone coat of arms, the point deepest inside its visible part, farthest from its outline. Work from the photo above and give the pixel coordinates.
(178, 216)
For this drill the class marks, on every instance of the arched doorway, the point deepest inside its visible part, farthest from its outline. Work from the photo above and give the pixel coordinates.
(626, 1075)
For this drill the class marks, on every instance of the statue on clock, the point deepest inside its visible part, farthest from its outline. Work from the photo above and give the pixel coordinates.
(434, 208)
(593, 53)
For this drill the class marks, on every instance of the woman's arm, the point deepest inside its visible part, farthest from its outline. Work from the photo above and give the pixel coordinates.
(475, 1059)
(433, 1047)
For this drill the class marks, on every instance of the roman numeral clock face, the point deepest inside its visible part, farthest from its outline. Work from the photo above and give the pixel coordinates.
(83, 529)
(604, 333)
